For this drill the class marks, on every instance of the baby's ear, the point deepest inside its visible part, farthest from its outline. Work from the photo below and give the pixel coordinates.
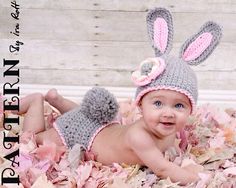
(198, 47)
(160, 30)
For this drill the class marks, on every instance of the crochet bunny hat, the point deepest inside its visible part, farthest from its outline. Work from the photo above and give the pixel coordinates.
(173, 73)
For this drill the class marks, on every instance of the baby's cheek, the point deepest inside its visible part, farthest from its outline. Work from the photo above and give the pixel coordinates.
(182, 122)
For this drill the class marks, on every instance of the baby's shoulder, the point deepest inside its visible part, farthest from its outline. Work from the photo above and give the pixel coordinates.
(136, 129)
(136, 135)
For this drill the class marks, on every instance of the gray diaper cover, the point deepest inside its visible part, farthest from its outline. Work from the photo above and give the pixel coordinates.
(73, 132)
(80, 126)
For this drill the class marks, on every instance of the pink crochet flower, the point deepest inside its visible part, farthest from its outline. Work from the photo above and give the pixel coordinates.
(149, 70)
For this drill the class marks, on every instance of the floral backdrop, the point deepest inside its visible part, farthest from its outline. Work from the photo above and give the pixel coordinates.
(209, 139)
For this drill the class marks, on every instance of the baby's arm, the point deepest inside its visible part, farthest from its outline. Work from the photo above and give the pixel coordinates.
(145, 148)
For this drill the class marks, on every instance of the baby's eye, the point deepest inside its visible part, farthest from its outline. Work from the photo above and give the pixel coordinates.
(158, 103)
(179, 105)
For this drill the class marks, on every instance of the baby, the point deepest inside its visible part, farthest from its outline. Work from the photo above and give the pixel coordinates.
(166, 95)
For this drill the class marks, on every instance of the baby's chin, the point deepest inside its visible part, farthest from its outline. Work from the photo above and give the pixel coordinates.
(164, 132)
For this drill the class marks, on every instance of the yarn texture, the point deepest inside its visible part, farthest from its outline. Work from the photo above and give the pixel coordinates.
(79, 125)
(177, 74)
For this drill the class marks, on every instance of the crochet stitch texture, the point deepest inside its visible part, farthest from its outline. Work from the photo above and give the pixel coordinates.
(79, 125)
(177, 75)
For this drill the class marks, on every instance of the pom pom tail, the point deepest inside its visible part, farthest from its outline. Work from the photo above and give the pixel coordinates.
(99, 105)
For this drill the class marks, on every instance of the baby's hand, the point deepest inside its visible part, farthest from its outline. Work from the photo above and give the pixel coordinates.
(194, 168)
(191, 166)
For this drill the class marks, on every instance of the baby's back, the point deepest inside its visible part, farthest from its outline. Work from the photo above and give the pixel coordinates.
(111, 145)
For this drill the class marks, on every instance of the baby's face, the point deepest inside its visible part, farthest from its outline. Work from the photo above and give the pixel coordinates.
(165, 112)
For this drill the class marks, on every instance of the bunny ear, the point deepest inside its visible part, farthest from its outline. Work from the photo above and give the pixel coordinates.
(160, 30)
(198, 47)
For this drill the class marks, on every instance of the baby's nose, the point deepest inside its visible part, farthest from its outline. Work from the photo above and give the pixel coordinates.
(168, 112)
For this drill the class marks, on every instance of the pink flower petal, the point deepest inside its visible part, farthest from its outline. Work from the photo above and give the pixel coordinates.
(26, 161)
(42, 181)
(49, 150)
(204, 179)
(43, 165)
(230, 171)
(84, 172)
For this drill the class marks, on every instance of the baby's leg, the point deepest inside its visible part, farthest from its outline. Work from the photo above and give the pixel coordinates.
(49, 135)
(59, 102)
(33, 108)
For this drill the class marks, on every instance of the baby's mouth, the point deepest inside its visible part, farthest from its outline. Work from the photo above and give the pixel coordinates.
(169, 124)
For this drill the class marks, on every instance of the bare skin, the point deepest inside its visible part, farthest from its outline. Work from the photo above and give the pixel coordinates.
(164, 113)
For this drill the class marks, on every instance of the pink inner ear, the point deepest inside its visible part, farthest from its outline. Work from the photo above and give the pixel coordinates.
(197, 47)
(160, 34)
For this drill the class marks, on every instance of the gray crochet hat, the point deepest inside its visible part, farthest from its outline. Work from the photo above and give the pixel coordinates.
(173, 73)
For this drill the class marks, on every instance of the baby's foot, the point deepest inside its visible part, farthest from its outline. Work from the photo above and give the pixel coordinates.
(52, 97)
(25, 102)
